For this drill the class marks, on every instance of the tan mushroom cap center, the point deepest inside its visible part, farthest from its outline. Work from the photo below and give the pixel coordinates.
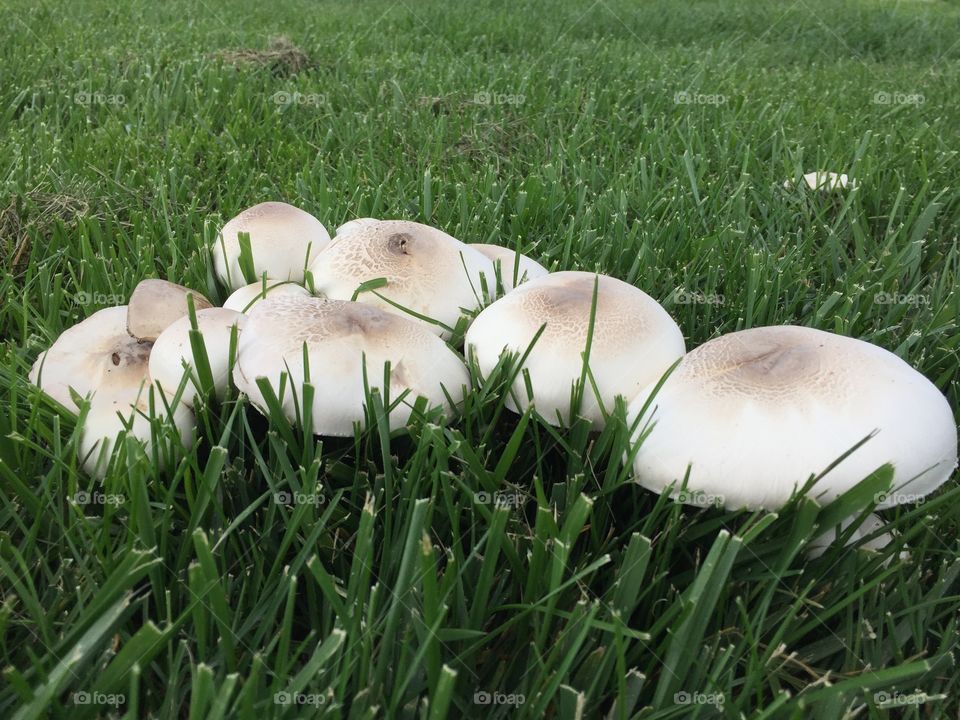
(774, 363)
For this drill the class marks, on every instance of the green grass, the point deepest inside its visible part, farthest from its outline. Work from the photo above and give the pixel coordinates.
(397, 588)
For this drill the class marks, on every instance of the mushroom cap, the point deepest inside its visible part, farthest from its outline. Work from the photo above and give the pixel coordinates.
(634, 341)
(871, 523)
(284, 240)
(111, 413)
(354, 224)
(95, 354)
(172, 349)
(515, 268)
(245, 298)
(338, 335)
(755, 413)
(824, 181)
(155, 304)
(427, 271)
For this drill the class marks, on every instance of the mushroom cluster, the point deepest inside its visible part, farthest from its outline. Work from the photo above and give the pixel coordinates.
(314, 324)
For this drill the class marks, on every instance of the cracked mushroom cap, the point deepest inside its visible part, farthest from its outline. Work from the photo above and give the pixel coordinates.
(133, 412)
(515, 268)
(426, 270)
(95, 354)
(172, 349)
(755, 413)
(284, 240)
(155, 304)
(339, 336)
(354, 224)
(245, 298)
(634, 341)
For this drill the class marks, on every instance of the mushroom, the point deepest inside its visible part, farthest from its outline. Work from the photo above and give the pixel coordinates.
(427, 273)
(94, 353)
(756, 413)
(284, 240)
(155, 304)
(172, 353)
(245, 298)
(131, 412)
(515, 267)
(354, 224)
(824, 181)
(634, 342)
(341, 339)
(870, 525)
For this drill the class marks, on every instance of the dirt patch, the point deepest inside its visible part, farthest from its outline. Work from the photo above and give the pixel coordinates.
(280, 55)
(34, 214)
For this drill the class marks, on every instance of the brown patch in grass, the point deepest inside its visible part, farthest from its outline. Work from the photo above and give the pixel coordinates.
(280, 55)
(31, 214)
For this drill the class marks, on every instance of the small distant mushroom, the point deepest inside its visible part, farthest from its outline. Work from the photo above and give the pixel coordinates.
(634, 342)
(284, 240)
(172, 353)
(754, 414)
(155, 304)
(94, 353)
(245, 298)
(515, 268)
(341, 339)
(132, 413)
(426, 272)
(823, 181)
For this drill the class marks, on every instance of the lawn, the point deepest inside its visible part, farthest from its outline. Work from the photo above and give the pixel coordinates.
(490, 566)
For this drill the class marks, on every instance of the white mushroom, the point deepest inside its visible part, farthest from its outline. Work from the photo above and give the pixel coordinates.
(870, 525)
(342, 338)
(141, 413)
(515, 268)
(354, 224)
(634, 342)
(756, 413)
(824, 181)
(245, 298)
(425, 270)
(172, 351)
(155, 304)
(94, 353)
(284, 240)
